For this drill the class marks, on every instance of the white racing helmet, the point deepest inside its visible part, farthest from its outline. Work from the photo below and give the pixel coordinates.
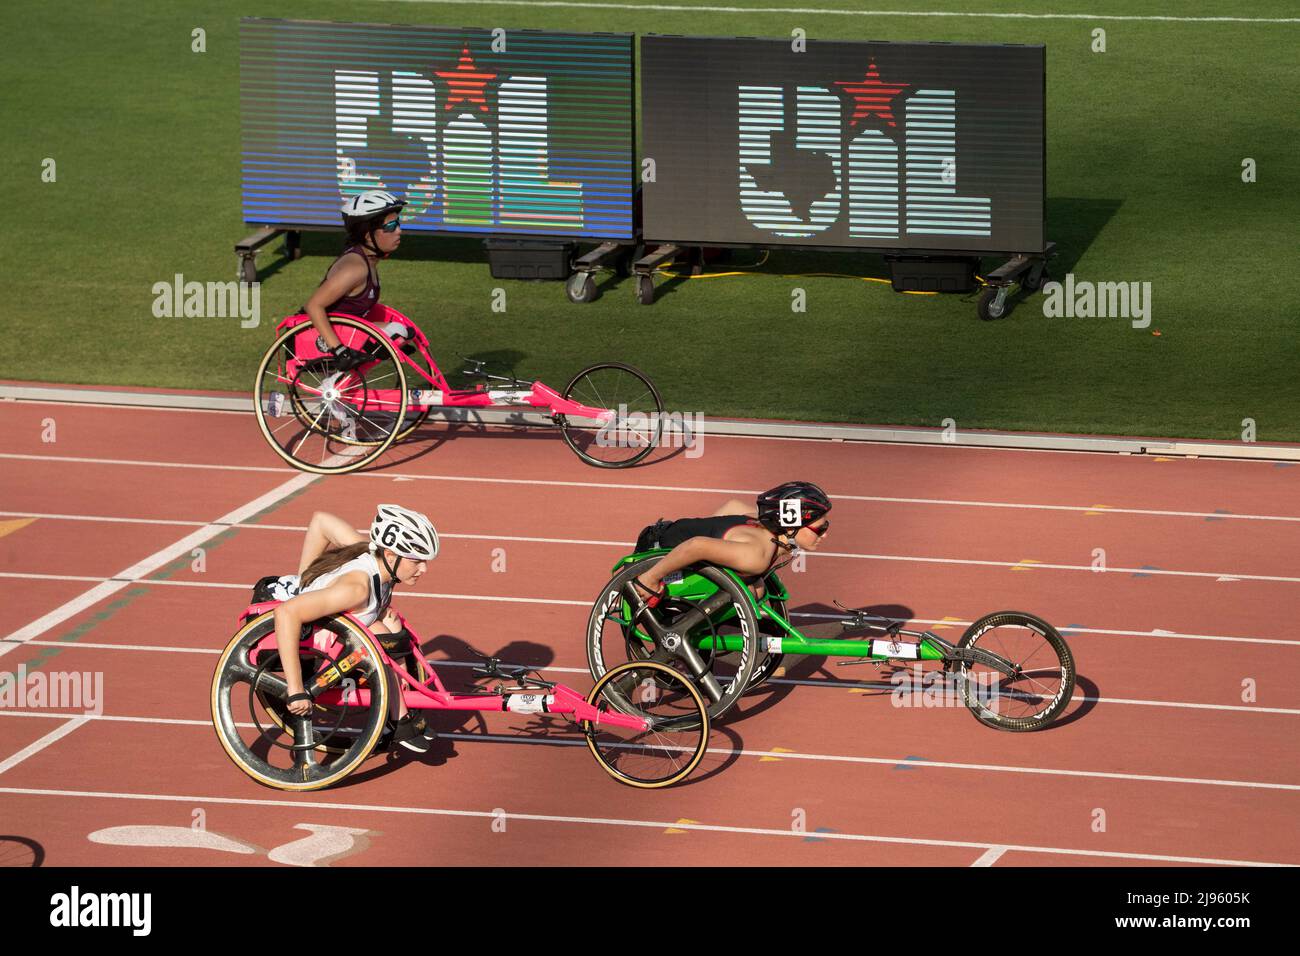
(372, 202)
(404, 532)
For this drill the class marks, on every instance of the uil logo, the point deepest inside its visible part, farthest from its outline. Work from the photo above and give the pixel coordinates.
(863, 159)
(489, 156)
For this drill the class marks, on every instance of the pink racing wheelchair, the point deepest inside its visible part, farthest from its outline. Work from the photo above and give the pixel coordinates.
(325, 420)
(644, 722)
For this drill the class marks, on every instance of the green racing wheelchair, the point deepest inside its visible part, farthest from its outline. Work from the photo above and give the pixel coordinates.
(731, 632)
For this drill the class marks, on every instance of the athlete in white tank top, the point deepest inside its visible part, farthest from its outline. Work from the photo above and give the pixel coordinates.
(380, 593)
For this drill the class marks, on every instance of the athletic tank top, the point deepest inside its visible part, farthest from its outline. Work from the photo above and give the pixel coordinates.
(380, 594)
(363, 301)
(671, 534)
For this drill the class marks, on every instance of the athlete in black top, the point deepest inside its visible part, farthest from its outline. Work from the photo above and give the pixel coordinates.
(749, 538)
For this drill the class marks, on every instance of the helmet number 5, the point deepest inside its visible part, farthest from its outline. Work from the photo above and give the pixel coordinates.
(789, 515)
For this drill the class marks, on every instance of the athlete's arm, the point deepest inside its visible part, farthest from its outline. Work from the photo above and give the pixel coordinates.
(350, 273)
(349, 591)
(323, 532)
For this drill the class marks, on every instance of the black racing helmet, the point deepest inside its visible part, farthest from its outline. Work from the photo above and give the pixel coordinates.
(787, 519)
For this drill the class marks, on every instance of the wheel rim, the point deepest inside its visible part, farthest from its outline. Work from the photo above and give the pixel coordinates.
(321, 419)
(1042, 685)
(670, 748)
(632, 432)
(610, 645)
(259, 744)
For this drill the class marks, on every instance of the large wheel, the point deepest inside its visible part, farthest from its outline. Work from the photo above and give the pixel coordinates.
(636, 426)
(1043, 682)
(676, 737)
(321, 748)
(324, 420)
(614, 637)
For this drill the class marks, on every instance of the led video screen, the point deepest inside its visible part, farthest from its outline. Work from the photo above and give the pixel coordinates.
(482, 132)
(924, 146)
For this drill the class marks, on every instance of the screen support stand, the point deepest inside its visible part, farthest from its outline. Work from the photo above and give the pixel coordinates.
(246, 249)
(1026, 270)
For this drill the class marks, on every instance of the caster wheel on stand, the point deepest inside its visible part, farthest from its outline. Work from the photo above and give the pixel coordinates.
(645, 289)
(581, 287)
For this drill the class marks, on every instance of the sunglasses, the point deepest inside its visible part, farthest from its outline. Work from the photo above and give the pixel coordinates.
(392, 226)
(826, 526)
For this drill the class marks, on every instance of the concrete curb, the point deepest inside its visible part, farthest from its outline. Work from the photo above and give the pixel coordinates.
(720, 426)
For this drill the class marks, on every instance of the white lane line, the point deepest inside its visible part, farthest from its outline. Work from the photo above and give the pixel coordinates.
(840, 11)
(953, 622)
(990, 856)
(37, 746)
(1157, 445)
(939, 764)
(1004, 563)
(825, 683)
(133, 463)
(617, 822)
(1037, 566)
(153, 562)
(623, 486)
(123, 408)
(780, 754)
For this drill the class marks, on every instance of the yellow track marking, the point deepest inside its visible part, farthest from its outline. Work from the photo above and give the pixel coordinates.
(9, 527)
(777, 750)
(682, 820)
(1025, 564)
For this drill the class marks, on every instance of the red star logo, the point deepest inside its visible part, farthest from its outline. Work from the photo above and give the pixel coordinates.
(871, 96)
(466, 82)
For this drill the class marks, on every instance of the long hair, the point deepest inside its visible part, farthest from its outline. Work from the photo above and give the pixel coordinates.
(334, 558)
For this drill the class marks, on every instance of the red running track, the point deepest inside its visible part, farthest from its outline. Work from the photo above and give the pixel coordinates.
(1178, 747)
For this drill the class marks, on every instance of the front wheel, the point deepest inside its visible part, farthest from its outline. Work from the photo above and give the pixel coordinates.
(676, 734)
(1043, 677)
(633, 428)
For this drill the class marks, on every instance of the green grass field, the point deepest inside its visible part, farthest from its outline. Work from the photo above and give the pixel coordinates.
(1145, 145)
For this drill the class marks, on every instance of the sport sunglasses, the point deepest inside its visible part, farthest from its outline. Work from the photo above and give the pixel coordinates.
(392, 226)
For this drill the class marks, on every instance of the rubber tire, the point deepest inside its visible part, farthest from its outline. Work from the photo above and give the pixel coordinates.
(703, 725)
(984, 307)
(581, 288)
(562, 422)
(245, 638)
(1064, 656)
(645, 289)
(613, 591)
(259, 406)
